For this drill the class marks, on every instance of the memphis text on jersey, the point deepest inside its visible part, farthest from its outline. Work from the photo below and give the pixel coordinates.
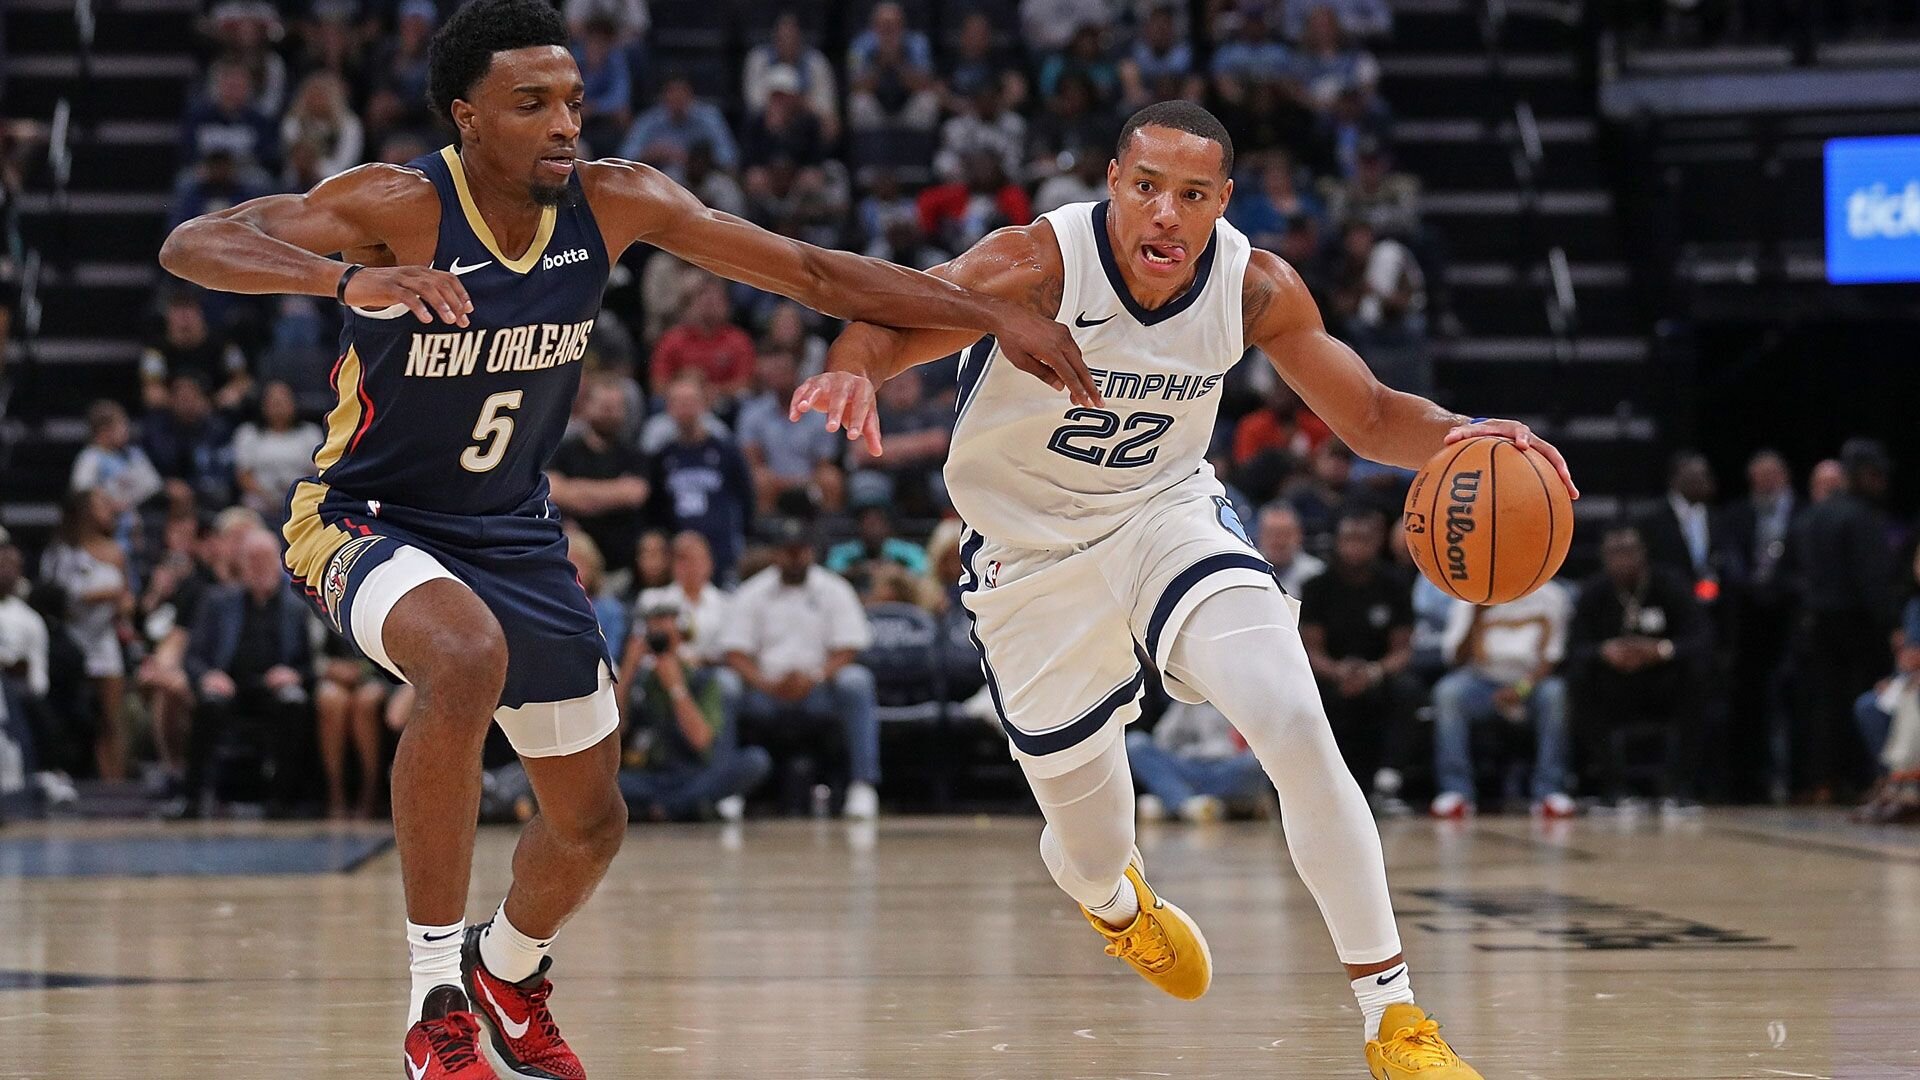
(508, 348)
(1155, 386)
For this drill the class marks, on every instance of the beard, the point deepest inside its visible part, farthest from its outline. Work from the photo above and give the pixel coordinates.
(551, 194)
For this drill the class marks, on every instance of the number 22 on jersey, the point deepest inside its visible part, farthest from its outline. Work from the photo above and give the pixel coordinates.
(1082, 436)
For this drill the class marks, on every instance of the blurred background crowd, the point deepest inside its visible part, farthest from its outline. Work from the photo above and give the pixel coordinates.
(783, 607)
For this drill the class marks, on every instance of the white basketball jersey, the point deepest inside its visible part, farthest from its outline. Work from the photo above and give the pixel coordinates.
(1029, 468)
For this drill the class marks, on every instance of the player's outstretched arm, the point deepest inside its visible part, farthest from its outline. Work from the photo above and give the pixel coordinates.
(1378, 422)
(1020, 265)
(639, 204)
(280, 244)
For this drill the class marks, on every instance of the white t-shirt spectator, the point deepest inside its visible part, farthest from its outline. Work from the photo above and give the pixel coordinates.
(1390, 266)
(1514, 637)
(1050, 24)
(275, 458)
(23, 640)
(816, 80)
(126, 476)
(701, 624)
(787, 628)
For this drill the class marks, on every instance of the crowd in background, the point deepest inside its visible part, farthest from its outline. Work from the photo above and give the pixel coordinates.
(772, 596)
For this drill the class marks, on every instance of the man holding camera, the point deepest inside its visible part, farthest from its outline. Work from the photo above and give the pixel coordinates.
(681, 758)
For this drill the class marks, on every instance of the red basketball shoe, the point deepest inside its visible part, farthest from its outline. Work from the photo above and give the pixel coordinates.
(519, 1038)
(445, 1043)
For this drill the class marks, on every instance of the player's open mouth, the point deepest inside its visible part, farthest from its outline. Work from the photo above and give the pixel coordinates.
(559, 163)
(1162, 255)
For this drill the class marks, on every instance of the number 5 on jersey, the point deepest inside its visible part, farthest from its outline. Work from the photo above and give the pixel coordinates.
(491, 432)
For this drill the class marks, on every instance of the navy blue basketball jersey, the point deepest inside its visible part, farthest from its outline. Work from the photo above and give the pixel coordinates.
(462, 420)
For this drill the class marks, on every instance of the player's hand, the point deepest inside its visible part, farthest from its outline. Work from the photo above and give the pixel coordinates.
(1046, 350)
(1521, 436)
(848, 401)
(430, 294)
(217, 684)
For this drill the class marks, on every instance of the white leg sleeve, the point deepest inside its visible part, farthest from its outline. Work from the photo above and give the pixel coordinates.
(1241, 648)
(1089, 833)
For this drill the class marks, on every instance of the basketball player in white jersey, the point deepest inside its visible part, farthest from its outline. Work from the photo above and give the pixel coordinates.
(1098, 540)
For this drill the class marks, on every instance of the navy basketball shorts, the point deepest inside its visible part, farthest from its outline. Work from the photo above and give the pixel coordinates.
(353, 559)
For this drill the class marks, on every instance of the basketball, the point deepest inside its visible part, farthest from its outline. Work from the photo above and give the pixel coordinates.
(1487, 521)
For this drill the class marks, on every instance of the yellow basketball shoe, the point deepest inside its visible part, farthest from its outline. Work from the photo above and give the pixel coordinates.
(1161, 943)
(1410, 1048)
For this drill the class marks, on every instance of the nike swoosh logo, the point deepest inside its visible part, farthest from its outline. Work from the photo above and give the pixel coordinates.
(1390, 976)
(456, 269)
(442, 937)
(1083, 322)
(419, 1069)
(514, 1029)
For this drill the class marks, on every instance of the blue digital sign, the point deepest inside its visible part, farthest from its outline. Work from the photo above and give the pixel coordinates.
(1873, 210)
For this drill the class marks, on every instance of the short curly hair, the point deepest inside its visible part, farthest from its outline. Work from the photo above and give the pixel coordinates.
(463, 48)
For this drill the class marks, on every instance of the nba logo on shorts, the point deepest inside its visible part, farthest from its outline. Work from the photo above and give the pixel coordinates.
(993, 573)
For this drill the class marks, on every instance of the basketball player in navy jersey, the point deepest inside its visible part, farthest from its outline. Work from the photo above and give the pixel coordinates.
(1098, 540)
(472, 278)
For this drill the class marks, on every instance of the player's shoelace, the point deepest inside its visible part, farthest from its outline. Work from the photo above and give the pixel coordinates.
(1147, 945)
(537, 1005)
(455, 1041)
(1420, 1044)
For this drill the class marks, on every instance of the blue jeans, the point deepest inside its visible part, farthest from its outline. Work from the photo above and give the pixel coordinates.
(680, 791)
(1465, 696)
(848, 698)
(1174, 779)
(1874, 723)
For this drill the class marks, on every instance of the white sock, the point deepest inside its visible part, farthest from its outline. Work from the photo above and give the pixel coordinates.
(1122, 909)
(433, 954)
(508, 953)
(1393, 986)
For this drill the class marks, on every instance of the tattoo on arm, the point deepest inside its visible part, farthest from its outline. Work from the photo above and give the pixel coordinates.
(1254, 304)
(1049, 287)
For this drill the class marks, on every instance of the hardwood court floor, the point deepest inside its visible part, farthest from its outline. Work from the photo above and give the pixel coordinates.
(1738, 945)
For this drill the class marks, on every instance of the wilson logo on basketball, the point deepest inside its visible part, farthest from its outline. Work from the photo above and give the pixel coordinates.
(1464, 492)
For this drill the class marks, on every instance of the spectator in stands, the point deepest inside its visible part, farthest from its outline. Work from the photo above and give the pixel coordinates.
(1304, 249)
(231, 119)
(883, 205)
(1072, 119)
(783, 456)
(958, 214)
(980, 62)
(1325, 493)
(331, 39)
(24, 639)
(590, 568)
(785, 130)
(606, 110)
(248, 657)
(1081, 177)
(91, 570)
(905, 244)
(599, 479)
(1757, 531)
(190, 444)
(1633, 659)
(706, 343)
(1359, 18)
(1345, 135)
(918, 430)
(398, 73)
(111, 465)
(214, 183)
(1049, 26)
(701, 603)
(1282, 424)
(1085, 56)
(1828, 478)
(808, 203)
(1283, 545)
(890, 79)
(1897, 695)
(1264, 207)
(653, 561)
(702, 481)
(1504, 661)
(175, 586)
(1194, 764)
(630, 18)
(810, 67)
(987, 126)
(793, 631)
(1249, 57)
(1682, 534)
(244, 32)
(321, 117)
(1160, 65)
(664, 134)
(1432, 610)
(1849, 605)
(269, 455)
(349, 695)
(677, 726)
(788, 332)
(878, 542)
(713, 185)
(1379, 292)
(1327, 65)
(185, 343)
(1375, 193)
(1356, 621)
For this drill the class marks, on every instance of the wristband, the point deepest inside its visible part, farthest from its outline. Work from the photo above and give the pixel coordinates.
(340, 290)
